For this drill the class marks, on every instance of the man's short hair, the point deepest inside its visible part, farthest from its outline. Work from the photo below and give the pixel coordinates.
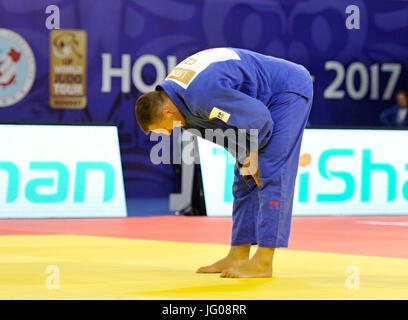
(147, 108)
(403, 91)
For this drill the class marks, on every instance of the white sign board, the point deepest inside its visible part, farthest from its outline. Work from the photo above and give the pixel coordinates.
(341, 171)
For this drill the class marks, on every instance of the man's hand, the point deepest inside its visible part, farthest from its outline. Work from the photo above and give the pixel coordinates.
(250, 167)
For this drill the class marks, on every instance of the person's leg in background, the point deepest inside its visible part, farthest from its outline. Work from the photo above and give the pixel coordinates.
(278, 164)
(244, 215)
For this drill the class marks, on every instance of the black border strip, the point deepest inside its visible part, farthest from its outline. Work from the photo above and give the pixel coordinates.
(54, 123)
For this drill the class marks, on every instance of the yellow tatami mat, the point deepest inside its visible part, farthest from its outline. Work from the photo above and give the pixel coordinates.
(88, 267)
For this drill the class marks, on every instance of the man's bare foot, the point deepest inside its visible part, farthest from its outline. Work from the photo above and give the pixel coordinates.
(259, 266)
(236, 255)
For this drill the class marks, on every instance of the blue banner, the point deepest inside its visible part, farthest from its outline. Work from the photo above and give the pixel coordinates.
(128, 46)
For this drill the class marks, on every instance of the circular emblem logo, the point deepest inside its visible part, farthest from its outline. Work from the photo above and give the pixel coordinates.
(17, 68)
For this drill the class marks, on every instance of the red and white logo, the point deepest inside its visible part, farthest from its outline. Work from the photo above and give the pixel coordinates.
(17, 68)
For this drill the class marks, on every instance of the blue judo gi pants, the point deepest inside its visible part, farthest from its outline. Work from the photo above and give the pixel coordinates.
(262, 215)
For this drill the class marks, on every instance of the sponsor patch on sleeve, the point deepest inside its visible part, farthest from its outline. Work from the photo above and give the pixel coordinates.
(217, 113)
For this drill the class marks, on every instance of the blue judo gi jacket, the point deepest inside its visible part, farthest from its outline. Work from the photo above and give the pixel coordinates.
(233, 88)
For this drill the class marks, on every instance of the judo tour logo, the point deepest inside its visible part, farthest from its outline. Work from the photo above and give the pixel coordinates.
(68, 69)
(17, 68)
(32, 187)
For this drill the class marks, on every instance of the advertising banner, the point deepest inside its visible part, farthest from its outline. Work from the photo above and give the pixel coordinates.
(341, 171)
(60, 171)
